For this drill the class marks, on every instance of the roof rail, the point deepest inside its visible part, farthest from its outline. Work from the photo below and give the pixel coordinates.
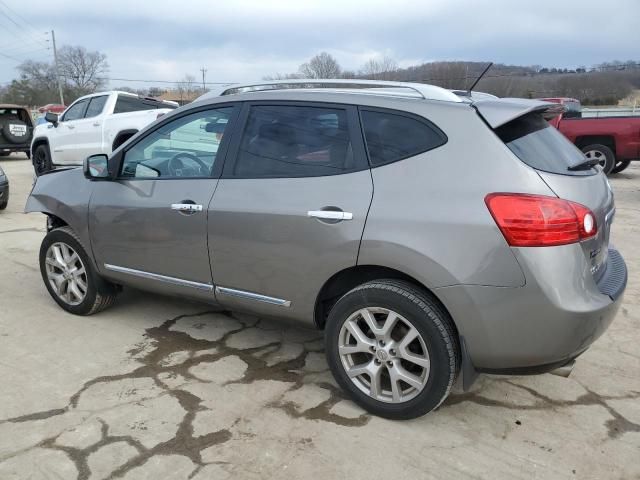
(428, 92)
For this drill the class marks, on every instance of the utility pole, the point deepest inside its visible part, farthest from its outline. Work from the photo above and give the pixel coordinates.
(55, 58)
(204, 72)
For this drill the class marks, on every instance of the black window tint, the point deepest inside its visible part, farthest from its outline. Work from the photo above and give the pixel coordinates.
(541, 146)
(96, 104)
(294, 141)
(393, 137)
(75, 111)
(129, 103)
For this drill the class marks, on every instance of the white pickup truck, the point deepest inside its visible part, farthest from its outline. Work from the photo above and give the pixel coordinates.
(96, 123)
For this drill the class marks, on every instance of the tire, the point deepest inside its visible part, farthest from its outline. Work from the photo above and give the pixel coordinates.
(620, 166)
(98, 293)
(5, 154)
(41, 160)
(4, 204)
(15, 131)
(436, 347)
(602, 153)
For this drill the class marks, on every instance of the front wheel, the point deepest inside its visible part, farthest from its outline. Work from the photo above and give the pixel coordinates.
(69, 275)
(393, 348)
(41, 160)
(603, 154)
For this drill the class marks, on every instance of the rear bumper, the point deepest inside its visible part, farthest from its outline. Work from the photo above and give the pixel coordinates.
(15, 147)
(551, 320)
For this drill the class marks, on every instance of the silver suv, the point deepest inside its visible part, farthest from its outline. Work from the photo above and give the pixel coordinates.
(426, 235)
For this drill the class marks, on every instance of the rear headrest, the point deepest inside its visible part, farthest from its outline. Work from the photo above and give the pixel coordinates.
(279, 132)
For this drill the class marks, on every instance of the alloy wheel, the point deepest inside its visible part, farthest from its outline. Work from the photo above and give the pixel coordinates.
(384, 355)
(597, 155)
(66, 273)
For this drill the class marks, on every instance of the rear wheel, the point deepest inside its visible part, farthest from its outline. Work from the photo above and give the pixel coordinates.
(393, 348)
(620, 166)
(5, 154)
(69, 275)
(603, 154)
(4, 204)
(41, 159)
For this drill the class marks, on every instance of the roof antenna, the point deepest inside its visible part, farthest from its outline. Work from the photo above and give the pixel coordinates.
(479, 78)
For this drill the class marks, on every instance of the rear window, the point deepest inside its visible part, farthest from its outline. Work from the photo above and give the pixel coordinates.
(392, 137)
(541, 146)
(127, 103)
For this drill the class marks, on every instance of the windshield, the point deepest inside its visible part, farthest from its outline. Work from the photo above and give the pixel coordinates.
(541, 146)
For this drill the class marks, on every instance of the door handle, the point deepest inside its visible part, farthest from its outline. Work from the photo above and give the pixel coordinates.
(186, 208)
(96, 124)
(70, 127)
(330, 215)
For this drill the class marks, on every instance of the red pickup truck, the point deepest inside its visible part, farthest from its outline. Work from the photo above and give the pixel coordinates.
(614, 141)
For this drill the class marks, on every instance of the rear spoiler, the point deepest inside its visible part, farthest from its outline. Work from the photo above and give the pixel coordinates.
(503, 110)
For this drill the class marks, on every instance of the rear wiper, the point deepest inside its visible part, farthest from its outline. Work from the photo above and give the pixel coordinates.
(586, 165)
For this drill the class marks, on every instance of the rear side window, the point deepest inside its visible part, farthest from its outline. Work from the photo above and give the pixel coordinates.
(294, 141)
(391, 137)
(129, 103)
(96, 104)
(541, 146)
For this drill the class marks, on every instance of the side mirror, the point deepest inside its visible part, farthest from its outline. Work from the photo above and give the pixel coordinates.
(51, 118)
(96, 167)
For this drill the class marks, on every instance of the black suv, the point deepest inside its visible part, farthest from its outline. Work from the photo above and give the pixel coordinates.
(16, 130)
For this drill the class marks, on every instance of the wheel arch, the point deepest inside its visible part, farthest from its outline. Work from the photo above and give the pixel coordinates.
(606, 140)
(349, 278)
(122, 136)
(36, 142)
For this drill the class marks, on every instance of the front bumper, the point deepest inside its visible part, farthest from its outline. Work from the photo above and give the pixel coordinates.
(549, 321)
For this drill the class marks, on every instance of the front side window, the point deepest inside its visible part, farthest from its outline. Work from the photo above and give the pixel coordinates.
(184, 147)
(96, 104)
(392, 137)
(75, 111)
(294, 141)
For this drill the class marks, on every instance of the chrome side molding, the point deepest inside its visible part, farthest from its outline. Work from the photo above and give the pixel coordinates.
(232, 292)
(161, 278)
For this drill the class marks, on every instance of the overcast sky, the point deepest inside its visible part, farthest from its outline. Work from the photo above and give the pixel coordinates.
(240, 40)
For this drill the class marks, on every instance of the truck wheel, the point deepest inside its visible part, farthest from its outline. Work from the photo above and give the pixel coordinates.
(393, 348)
(69, 275)
(603, 154)
(41, 159)
(620, 166)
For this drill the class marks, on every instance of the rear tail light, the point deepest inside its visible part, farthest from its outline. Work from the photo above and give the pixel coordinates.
(540, 221)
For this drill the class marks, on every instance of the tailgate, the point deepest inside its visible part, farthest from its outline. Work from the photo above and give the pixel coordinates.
(592, 191)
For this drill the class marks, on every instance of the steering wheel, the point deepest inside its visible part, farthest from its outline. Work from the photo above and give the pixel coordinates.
(177, 168)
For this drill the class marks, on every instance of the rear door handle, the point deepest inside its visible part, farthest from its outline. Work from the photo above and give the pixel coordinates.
(70, 127)
(96, 124)
(330, 215)
(186, 208)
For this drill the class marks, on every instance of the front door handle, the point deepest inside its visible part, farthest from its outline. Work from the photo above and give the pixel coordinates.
(71, 127)
(330, 215)
(96, 124)
(186, 208)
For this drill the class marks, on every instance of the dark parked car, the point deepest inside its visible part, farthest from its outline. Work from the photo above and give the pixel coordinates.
(425, 235)
(4, 190)
(16, 130)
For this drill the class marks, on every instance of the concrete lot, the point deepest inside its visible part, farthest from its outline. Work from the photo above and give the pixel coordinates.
(166, 389)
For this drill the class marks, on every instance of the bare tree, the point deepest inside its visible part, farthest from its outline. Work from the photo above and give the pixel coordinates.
(379, 69)
(84, 71)
(322, 65)
(282, 76)
(187, 88)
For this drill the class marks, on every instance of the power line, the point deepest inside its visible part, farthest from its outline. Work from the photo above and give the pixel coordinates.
(20, 27)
